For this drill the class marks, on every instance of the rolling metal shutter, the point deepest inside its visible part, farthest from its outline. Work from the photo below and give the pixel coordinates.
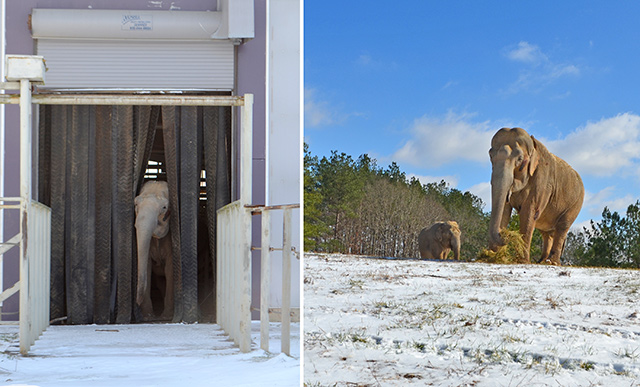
(135, 49)
(139, 64)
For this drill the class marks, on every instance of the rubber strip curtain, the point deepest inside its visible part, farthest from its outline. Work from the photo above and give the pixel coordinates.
(91, 166)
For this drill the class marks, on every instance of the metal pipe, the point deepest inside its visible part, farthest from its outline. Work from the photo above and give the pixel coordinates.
(25, 202)
(246, 144)
(8, 85)
(3, 49)
(8, 245)
(285, 345)
(265, 281)
(119, 99)
(260, 207)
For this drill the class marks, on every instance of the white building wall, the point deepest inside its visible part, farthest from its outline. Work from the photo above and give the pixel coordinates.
(284, 115)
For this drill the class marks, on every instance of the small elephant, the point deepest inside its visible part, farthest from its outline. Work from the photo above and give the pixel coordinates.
(436, 241)
(154, 245)
(545, 191)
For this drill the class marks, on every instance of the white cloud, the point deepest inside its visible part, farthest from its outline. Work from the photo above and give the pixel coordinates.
(364, 59)
(483, 191)
(435, 142)
(595, 203)
(450, 179)
(526, 52)
(561, 70)
(577, 227)
(602, 148)
(450, 84)
(320, 112)
(540, 71)
(316, 113)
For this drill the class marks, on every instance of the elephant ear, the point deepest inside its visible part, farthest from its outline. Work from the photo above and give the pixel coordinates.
(137, 201)
(533, 157)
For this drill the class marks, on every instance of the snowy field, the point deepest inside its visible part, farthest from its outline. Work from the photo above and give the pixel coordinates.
(382, 322)
(147, 355)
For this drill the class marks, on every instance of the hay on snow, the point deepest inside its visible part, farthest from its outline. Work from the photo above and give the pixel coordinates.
(512, 252)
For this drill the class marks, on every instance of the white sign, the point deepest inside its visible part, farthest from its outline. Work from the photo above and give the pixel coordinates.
(137, 22)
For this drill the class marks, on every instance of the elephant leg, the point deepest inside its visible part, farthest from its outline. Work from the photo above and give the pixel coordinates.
(547, 242)
(526, 229)
(559, 237)
(445, 253)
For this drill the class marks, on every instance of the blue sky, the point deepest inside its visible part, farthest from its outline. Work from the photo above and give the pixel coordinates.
(428, 83)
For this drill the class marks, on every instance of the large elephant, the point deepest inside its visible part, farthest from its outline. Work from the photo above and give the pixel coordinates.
(545, 191)
(439, 239)
(154, 246)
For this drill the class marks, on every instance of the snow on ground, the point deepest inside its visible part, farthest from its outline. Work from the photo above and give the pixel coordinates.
(148, 355)
(383, 322)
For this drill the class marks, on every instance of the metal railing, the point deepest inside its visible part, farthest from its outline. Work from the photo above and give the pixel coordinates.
(234, 273)
(233, 263)
(34, 241)
(233, 255)
(35, 226)
(265, 274)
(35, 268)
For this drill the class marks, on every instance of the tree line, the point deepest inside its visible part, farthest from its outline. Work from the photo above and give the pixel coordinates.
(612, 242)
(354, 206)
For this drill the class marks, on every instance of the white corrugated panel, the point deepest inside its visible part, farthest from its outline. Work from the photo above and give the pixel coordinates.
(140, 64)
(124, 24)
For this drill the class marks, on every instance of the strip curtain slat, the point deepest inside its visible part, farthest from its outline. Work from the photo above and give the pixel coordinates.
(91, 166)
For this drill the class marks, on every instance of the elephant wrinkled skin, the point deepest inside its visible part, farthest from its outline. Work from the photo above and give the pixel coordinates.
(545, 191)
(154, 246)
(437, 241)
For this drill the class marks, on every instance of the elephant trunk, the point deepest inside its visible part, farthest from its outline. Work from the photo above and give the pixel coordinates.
(144, 231)
(501, 182)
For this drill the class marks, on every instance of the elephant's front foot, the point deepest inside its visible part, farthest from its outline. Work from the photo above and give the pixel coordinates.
(493, 246)
(551, 262)
(496, 242)
(140, 315)
(166, 315)
(553, 259)
(146, 309)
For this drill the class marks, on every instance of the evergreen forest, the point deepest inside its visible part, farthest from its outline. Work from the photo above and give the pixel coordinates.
(354, 206)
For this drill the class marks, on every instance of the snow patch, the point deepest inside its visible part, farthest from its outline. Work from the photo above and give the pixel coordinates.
(411, 322)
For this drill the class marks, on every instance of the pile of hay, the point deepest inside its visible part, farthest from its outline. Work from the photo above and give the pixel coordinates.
(512, 252)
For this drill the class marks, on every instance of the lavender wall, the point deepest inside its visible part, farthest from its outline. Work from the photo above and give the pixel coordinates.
(251, 79)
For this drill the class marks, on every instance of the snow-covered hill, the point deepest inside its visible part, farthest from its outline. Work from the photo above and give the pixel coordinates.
(381, 322)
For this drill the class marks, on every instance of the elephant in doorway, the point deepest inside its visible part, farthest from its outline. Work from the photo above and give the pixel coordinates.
(154, 246)
(439, 239)
(545, 191)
